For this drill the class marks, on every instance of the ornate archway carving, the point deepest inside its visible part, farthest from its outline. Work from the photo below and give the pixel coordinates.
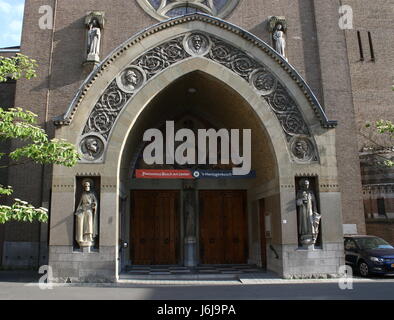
(260, 78)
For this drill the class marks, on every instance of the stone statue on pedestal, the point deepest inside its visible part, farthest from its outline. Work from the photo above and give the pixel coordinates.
(94, 39)
(86, 217)
(280, 41)
(308, 217)
(277, 27)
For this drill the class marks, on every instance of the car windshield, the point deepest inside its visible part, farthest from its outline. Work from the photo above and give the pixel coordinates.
(373, 243)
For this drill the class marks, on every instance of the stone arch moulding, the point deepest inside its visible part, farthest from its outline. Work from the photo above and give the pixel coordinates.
(194, 36)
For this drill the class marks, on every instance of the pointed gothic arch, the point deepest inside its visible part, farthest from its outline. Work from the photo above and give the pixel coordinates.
(111, 100)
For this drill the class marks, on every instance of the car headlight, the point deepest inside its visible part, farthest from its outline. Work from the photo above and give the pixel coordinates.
(375, 259)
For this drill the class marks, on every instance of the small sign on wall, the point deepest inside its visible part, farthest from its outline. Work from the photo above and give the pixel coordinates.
(349, 229)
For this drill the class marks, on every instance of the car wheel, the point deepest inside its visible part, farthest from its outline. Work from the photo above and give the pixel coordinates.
(363, 269)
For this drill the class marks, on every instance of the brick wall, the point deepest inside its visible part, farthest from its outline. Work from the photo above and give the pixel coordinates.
(382, 229)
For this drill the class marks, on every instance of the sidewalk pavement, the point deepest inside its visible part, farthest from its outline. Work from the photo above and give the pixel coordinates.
(31, 278)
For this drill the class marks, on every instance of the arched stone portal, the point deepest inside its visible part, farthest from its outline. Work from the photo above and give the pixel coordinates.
(199, 101)
(259, 90)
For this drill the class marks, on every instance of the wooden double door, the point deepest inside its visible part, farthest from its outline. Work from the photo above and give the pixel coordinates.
(223, 227)
(155, 227)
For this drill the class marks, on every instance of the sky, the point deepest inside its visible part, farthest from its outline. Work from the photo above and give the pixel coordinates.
(11, 16)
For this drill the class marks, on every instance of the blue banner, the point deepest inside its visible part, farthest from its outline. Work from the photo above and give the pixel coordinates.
(221, 174)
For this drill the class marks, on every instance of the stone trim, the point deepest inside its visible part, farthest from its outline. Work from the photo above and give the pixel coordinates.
(66, 118)
(116, 96)
(142, 69)
(155, 13)
(378, 188)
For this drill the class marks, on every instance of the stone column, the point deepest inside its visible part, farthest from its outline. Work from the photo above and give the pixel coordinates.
(190, 223)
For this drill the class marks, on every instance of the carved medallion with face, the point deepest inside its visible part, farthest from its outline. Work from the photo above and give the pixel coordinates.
(302, 149)
(131, 79)
(197, 44)
(91, 148)
(264, 81)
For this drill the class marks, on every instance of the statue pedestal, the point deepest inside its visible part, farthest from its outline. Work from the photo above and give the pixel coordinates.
(92, 57)
(86, 246)
(309, 247)
(86, 249)
(89, 66)
(190, 252)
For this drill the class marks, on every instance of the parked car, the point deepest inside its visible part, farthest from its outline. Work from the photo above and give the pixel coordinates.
(369, 255)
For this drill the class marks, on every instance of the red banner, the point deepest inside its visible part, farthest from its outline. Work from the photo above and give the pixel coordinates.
(163, 174)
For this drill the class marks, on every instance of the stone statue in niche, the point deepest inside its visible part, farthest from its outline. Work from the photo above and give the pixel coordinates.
(280, 41)
(94, 38)
(277, 26)
(308, 217)
(86, 215)
(94, 22)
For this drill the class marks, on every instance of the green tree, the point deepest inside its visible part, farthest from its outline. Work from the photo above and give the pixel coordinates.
(385, 128)
(19, 124)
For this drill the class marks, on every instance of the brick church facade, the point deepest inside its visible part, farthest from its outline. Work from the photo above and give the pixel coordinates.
(199, 65)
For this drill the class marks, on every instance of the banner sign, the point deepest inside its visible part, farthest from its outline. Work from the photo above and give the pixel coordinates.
(163, 174)
(190, 174)
(221, 174)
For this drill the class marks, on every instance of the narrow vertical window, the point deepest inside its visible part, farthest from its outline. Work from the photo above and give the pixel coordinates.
(371, 46)
(360, 46)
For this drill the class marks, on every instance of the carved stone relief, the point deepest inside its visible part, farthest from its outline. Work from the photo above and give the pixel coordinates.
(92, 147)
(263, 81)
(302, 148)
(132, 78)
(197, 44)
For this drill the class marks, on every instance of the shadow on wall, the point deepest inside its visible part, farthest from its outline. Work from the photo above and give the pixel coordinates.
(261, 31)
(310, 48)
(308, 38)
(69, 55)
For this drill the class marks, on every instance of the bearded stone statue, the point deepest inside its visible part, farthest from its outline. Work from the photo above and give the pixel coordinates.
(308, 217)
(86, 217)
